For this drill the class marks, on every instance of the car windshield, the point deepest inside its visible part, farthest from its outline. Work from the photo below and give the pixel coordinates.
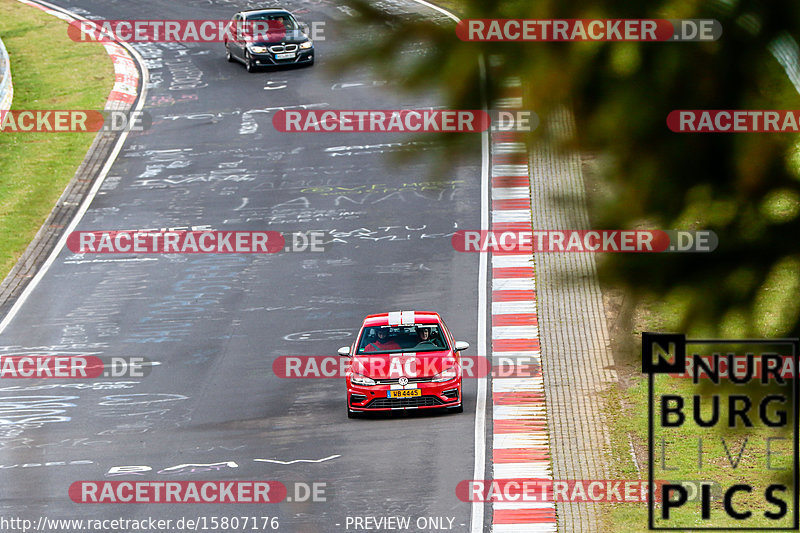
(275, 21)
(401, 339)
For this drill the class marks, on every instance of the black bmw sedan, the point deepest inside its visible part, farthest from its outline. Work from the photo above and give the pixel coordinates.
(267, 37)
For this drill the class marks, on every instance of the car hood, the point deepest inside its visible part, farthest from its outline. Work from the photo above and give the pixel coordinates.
(410, 365)
(290, 37)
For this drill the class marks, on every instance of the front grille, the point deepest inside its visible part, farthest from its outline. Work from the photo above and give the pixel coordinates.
(395, 381)
(395, 403)
(278, 48)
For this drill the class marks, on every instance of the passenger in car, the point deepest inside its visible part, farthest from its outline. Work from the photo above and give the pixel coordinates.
(383, 343)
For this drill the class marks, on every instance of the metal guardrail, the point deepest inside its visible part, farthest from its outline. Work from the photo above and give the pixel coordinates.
(6, 87)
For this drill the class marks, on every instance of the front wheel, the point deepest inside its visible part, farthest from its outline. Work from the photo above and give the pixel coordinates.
(457, 409)
(249, 63)
(350, 412)
(228, 55)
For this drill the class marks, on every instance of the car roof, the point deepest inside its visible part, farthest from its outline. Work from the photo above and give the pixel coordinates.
(402, 318)
(268, 10)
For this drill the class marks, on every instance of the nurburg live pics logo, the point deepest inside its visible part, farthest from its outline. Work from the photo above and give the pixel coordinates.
(735, 424)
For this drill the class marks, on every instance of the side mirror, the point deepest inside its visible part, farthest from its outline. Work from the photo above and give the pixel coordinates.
(344, 351)
(461, 346)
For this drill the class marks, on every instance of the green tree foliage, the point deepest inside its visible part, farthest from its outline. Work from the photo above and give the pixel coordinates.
(743, 186)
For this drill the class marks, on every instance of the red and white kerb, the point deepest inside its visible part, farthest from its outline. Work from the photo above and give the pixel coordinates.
(520, 443)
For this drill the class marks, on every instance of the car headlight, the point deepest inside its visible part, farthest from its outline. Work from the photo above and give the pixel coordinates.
(306, 45)
(258, 49)
(446, 375)
(359, 379)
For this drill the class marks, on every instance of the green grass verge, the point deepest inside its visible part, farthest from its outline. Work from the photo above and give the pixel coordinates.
(628, 426)
(726, 456)
(49, 71)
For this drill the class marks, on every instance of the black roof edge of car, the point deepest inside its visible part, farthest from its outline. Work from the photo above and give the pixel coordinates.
(267, 9)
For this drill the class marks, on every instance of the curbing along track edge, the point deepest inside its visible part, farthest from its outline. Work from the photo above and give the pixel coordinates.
(129, 92)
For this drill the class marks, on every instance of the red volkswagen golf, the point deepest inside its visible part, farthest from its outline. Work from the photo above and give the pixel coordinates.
(403, 360)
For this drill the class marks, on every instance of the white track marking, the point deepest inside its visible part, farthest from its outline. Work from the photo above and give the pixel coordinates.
(276, 461)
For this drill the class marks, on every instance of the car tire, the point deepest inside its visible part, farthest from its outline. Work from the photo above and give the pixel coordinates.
(249, 63)
(457, 409)
(351, 413)
(228, 55)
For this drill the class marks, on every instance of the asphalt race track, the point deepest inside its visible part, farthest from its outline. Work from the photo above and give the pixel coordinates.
(212, 325)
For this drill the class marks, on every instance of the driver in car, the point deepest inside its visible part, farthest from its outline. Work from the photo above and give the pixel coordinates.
(383, 343)
(426, 340)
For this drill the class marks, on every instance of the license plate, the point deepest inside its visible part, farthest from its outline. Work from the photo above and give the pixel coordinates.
(403, 393)
(288, 55)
